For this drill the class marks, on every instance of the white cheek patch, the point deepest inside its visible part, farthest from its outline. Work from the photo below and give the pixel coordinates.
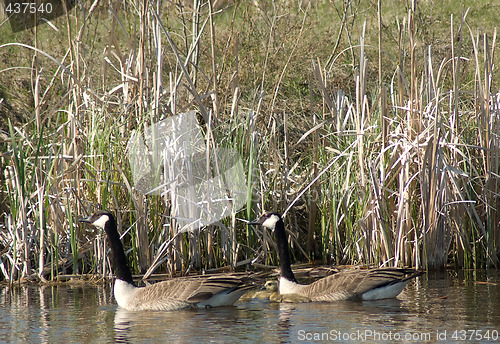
(271, 222)
(101, 221)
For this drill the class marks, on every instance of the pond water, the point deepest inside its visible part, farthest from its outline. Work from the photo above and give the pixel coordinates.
(437, 307)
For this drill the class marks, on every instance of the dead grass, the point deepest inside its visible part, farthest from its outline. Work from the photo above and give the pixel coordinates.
(380, 152)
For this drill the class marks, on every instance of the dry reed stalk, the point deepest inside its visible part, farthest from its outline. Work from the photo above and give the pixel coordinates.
(314, 195)
(195, 39)
(343, 22)
(482, 105)
(411, 112)
(360, 108)
(456, 62)
(37, 100)
(215, 74)
(253, 145)
(141, 233)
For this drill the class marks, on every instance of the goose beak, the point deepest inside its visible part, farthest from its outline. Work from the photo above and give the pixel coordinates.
(88, 220)
(254, 222)
(85, 219)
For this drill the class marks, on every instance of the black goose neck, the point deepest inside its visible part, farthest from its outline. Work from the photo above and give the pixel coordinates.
(118, 258)
(283, 253)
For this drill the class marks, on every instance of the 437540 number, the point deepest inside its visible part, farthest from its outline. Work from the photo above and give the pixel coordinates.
(28, 7)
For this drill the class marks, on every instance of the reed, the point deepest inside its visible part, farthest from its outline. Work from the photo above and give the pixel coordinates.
(379, 147)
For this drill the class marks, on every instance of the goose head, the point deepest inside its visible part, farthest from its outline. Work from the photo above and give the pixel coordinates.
(100, 219)
(267, 220)
(271, 286)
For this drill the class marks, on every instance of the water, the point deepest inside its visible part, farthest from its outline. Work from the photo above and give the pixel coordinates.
(437, 307)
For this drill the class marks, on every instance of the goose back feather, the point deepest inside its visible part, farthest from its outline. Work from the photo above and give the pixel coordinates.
(359, 285)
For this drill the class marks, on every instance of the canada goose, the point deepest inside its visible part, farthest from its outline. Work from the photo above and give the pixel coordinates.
(372, 284)
(178, 293)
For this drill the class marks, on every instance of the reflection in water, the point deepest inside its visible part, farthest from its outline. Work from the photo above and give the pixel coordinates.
(123, 323)
(226, 324)
(332, 321)
(131, 327)
(286, 310)
(438, 303)
(30, 314)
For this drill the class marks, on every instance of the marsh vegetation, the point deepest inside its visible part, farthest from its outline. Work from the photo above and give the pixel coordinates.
(376, 128)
